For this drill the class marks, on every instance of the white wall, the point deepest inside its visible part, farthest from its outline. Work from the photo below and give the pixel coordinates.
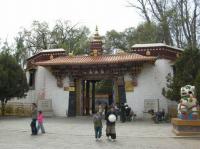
(59, 97)
(46, 88)
(151, 80)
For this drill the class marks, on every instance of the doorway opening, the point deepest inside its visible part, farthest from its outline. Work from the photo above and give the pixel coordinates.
(96, 92)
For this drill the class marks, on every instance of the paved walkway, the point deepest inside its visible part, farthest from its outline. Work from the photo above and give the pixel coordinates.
(77, 133)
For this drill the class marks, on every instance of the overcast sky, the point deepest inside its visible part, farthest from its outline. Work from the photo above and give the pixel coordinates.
(106, 14)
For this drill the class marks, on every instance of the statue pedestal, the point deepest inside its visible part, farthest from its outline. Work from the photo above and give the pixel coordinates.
(185, 127)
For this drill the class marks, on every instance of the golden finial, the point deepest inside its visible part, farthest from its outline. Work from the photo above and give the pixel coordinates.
(96, 35)
(96, 32)
(97, 29)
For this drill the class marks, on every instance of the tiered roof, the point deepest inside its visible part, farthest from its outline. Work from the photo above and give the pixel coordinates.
(159, 50)
(150, 45)
(142, 53)
(101, 59)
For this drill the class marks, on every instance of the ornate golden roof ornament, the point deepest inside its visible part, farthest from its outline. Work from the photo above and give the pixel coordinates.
(95, 52)
(97, 30)
(96, 44)
(96, 35)
(148, 53)
(51, 56)
(71, 53)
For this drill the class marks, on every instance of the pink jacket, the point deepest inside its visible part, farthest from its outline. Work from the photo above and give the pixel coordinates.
(40, 118)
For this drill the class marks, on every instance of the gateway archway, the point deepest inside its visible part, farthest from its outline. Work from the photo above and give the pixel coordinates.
(83, 101)
(82, 71)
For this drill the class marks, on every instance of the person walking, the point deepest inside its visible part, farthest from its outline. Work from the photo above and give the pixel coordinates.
(97, 120)
(111, 118)
(106, 110)
(40, 119)
(100, 109)
(122, 113)
(34, 119)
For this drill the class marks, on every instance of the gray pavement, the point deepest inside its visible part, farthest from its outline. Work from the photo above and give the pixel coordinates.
(78, 133)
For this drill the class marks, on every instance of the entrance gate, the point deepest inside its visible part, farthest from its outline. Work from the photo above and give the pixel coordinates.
(82, 94)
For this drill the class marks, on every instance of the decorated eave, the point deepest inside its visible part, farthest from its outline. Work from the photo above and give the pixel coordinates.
(159, 50)
(97, 60)
(95, 67)
(44, 55)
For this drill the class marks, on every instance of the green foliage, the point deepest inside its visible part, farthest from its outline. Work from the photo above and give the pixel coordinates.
(191, 62)
(129, 35)
(21, 52)
(177, 19)
(76, 39)
(41, 37)
(6, 47)
(13, 81)
(38, 37)
(173, 88)
(197, 85)
(70, 37)
(187, 72)
(147, 33)
(113, 40)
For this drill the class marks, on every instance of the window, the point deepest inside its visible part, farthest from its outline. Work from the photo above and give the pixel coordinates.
(173, 69)
(32, 79)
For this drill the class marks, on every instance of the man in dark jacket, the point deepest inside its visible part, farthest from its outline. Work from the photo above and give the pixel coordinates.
(34, 119)
(110, 126)
(122, 113)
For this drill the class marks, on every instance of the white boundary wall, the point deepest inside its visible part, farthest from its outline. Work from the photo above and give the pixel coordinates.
(150, 82)
(46, 88)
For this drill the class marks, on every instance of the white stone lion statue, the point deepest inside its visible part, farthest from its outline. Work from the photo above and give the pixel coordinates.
(187, 108)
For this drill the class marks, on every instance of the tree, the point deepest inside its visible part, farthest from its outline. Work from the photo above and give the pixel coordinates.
(114, 39)
(70, 37)
(147, 33)
(178, 19)
(6, 47)
(41, 37)
(12, 79)
(159, 10)
(38, 37)
(144, 33)
(186, 72)
(189, 11)
(129, 35)
(197, 85)
(21, 51)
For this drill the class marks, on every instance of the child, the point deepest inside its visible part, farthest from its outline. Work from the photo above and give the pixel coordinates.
(40, 119)
(97, 120)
